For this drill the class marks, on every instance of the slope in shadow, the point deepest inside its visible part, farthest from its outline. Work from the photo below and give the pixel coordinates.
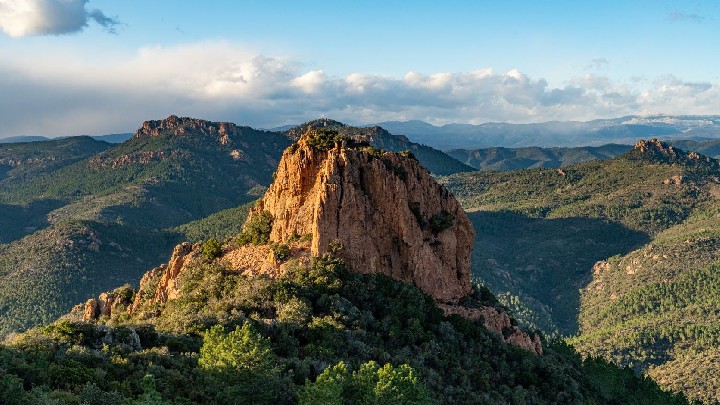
(545, 261)
(17, 221)
(4, 169)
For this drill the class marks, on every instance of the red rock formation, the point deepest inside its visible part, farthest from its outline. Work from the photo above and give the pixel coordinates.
(384, 209)
(180, 125)
(105, 305)
(167, 287)
(498, 322)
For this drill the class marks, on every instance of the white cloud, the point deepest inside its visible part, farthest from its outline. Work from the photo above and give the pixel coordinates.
(225, 81)
(311, 82)
(19, 18)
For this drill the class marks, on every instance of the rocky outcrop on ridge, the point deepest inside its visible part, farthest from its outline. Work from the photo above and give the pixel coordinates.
(498, 322)
(656, 151)
(182, 125)
(381, 212)
(437, 162)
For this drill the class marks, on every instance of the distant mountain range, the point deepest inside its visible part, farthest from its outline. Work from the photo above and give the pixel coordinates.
(23, 138)
(110, 138)
(533, 157)
(623, 130)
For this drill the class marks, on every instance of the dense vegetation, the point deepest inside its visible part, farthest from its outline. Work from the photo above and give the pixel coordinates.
(502, 159)
(656, 309)
(622, 252)
(534, 157)
(221, 226)
(23, 162)
(539, 232)
(318, 333)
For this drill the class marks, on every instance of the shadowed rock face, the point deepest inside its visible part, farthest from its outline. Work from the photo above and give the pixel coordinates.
(384, 209)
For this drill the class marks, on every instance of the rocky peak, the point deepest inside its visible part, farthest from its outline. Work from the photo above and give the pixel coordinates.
(322, 123)
(379, 211)
(656, 151)
(182, 125)
(377, 136)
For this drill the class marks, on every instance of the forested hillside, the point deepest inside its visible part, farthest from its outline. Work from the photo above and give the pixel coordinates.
(318, 333)
(93, 223)
(627, 245)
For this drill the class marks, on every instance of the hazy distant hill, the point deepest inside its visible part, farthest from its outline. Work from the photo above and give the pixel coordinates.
(623, 130)
(110, 138)
(502, 159)
(23, 138)
(113, 138)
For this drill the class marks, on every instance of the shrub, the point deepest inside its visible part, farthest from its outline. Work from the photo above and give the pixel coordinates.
(371, 384)
(407, 154)
(335, 247)
(281, 251)
(239, 364)
(257, 229)
(325, 139)
(211, 248)
(441, 221)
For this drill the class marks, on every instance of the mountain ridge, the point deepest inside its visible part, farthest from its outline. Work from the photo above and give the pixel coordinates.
(623, 130)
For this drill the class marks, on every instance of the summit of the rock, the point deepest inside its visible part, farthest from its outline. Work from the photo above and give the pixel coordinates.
(656, 151)
(181, 125)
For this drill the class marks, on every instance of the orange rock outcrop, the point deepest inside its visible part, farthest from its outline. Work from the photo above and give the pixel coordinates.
(385, 210)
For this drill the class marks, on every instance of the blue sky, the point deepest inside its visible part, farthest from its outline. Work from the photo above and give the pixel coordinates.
(100, 66)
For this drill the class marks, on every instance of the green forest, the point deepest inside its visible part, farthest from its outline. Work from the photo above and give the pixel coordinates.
(318, 333)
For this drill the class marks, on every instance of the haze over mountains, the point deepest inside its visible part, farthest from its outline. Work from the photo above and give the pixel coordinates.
(110, 138)
(622, 130)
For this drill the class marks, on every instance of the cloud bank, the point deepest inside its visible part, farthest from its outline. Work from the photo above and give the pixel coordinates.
(19, 18)
(223, 81)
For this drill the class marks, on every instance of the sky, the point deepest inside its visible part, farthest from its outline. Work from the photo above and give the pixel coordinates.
(70, 67)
